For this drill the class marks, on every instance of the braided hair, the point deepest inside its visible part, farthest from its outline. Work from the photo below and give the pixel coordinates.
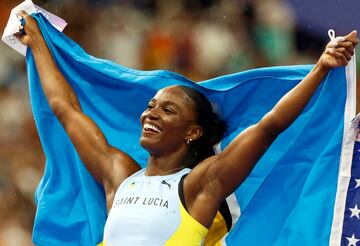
(212, 125)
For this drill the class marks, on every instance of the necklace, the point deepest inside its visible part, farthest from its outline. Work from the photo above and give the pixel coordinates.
(167, 172)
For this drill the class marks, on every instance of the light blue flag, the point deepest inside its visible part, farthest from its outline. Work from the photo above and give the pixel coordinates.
(288, 198)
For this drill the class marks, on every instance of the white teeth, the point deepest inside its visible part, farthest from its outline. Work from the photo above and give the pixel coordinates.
(148, 126)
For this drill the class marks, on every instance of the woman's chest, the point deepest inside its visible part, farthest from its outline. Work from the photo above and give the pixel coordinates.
(144, 211)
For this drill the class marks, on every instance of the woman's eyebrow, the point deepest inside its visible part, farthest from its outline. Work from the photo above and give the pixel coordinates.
(167, 102)
(171, 104)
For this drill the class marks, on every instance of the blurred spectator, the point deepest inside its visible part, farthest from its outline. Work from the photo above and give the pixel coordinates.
(274, 30)
(117, 34)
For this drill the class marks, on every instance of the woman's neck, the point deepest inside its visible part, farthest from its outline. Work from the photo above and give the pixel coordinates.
(165, 165)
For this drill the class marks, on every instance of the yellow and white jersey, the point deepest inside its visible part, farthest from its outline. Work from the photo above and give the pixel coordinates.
(147, 210)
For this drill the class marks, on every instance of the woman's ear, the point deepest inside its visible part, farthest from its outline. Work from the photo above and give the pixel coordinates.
(194, 132)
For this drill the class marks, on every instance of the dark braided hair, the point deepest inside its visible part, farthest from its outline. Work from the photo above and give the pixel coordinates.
(212, 125)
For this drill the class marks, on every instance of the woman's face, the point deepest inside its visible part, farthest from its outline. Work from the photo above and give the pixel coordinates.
(167, 121)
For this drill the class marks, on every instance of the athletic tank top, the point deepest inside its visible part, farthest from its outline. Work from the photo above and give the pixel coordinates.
(147, 211)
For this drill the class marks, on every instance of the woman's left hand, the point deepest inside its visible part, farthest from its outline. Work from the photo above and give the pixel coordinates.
(339, 51)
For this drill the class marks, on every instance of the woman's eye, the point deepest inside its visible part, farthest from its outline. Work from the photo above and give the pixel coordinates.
(150, 106)
(168, 110)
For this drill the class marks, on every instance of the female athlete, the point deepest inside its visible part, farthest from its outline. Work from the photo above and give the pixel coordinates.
(174, 200)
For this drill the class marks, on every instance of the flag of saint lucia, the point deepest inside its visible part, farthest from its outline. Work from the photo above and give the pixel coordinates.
(288, 199)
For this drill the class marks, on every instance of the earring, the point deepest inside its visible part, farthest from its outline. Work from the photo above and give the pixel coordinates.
(188, 141)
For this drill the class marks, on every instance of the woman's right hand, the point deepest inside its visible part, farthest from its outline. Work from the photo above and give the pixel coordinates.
(30, 31)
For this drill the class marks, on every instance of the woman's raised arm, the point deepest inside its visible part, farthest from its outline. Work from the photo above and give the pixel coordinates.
(107, 164)
(218, 176)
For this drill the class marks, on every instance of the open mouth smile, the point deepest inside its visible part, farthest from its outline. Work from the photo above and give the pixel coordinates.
(148, 127)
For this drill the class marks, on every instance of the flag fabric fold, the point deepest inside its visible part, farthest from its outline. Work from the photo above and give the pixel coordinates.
(287, 200)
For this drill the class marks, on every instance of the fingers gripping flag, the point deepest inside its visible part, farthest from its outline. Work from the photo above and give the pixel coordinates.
(287, 200)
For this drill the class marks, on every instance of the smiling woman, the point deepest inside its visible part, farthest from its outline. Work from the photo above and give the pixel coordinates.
(177, 134)
(170, 117)
(179, 131)
(179, 111)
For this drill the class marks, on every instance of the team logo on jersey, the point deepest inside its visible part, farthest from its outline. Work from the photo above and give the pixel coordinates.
(132, 185)
(166, 183)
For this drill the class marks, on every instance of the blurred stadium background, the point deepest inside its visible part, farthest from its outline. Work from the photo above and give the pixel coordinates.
(199, 39)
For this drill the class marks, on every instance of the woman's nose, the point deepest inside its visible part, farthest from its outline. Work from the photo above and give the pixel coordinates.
(153, 114)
